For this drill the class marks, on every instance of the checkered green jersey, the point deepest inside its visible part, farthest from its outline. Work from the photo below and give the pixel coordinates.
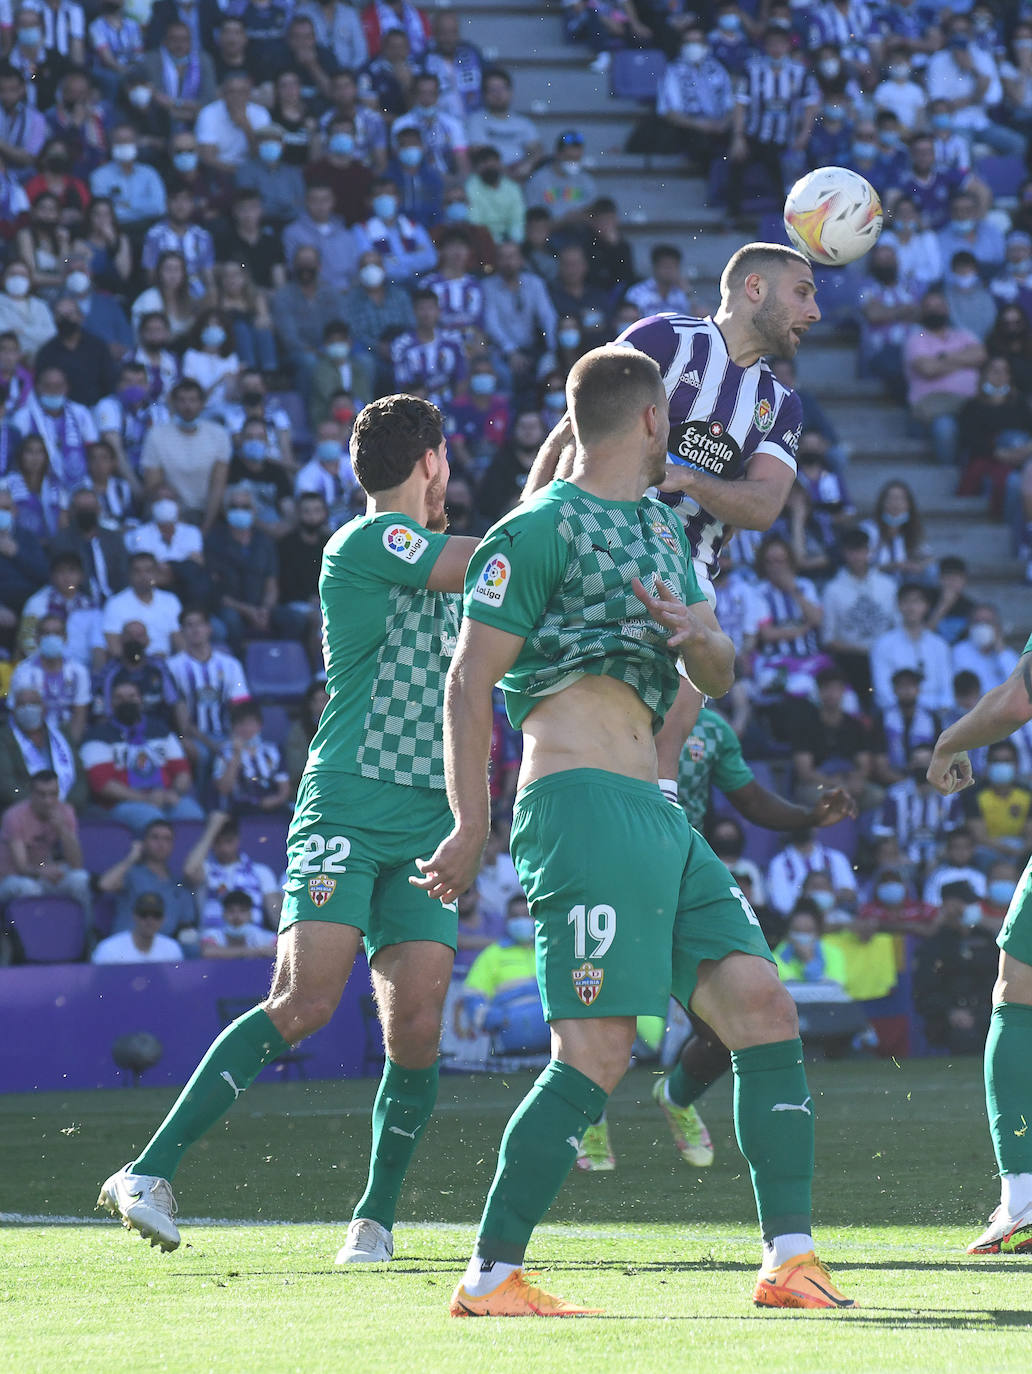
(388, 644)
(557, 572)
(711, 754)
(1028, 647)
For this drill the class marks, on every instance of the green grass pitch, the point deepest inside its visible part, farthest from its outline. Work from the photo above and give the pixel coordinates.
(904, 1180)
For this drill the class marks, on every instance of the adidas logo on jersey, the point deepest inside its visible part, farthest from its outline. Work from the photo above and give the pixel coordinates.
(691, 378)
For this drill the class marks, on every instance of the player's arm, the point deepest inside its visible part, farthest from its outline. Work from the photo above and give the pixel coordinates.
(449, 571)
(554, 459)
(753, 504)
(483, 656)
(706, 651)
(999, 713)
(762, 807)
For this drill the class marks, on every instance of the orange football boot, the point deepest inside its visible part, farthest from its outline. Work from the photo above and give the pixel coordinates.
(800, 1282)
(515, 1297)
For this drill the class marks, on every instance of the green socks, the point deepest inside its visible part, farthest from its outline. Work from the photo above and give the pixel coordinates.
(684, 1088)
(232, 1064)
(774, 1126)
(537, 1152)
(403, 1105)
(1008, 1097)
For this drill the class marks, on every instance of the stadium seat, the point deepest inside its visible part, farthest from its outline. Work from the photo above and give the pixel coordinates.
(636, 75)
(52, 930)
(1003, 175)
(844, 836)
(105, 906)
(277, 669)
(264, 839)
(103, 843)
(276, 724)
(760, 845)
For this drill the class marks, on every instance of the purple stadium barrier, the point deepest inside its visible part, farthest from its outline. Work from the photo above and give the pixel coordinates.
(52, 930)
(70, 1015)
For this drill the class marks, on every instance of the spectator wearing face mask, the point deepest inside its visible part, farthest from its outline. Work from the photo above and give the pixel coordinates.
(802, 956)
(375, 307)
(892, 905)
(249, 775)
(969, 230)
(918, 259)
(405, 248)
(967, 76)
(135, 766)
(150, 675)
(280, 184)
(477, 420)
(256, 467)
(342, 168)
(190, 455)
(693, 106)
(67, 595)
(803, 855)
(971, 304)
(1000, 811)
(62, 683)
(500, 487)
(244, 568)
(135, 190)
(209, 359)
(125, 416)
(995, 429)
(831, 141)
(499, 993)
(887, 309)
(495, 201)
(238, 935)
(1013, 284)
(65, 426)
(329, 473)
(953, 974)
(900, 93)
(82, 357)
(28, 744)
(99, 552)
(941, 363)
(956, 865)
(176, 547)
(301, 310)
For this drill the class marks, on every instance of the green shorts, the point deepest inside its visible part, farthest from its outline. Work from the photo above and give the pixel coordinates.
(1015, 937)
(627, 898)
(351, 849)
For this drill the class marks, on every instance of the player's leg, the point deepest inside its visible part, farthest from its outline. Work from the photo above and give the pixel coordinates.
(410, 983)
(603, 931)
(313, 964)
(724, 971)
(703, 1059)
(1008, 1049)
(538, 1150)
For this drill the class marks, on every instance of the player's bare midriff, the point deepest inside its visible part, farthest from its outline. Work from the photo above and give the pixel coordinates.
(596, 722)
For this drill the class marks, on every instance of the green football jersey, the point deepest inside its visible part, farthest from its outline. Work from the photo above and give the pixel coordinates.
(711, 754)
(557, 572)
(1028, 647)
(389, 642)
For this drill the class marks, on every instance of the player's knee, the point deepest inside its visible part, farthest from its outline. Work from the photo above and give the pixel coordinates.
(764, 1014)
(413, 1037)
(296, 1015)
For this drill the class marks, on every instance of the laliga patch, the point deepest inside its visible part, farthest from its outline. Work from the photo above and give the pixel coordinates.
(493, 582)
(587, 982)
(321, 889)
(404, 543)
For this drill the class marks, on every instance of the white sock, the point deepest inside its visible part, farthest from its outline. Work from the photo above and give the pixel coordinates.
(1015, 1193)
(479, 1280)
(668, 786)
(786, 1247)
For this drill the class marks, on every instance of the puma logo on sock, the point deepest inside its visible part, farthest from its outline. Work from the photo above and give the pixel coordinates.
(229, 1079)
(396, 1130)
(793, 1107)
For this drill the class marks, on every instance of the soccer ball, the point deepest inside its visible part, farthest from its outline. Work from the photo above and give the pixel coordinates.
(833, 216)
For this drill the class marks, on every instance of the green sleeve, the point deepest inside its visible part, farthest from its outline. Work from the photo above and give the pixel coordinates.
(394, 549)
(483, 975)
(692, 591)
(730, 770)
(515, 570)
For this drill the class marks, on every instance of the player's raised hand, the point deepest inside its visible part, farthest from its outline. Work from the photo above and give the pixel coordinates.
(677, 477)
(670, 611)
(831, 807)
(453, 866)
(949, 773)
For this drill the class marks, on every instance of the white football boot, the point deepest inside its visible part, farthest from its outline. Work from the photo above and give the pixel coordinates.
(145, 1204)
(368, 1243)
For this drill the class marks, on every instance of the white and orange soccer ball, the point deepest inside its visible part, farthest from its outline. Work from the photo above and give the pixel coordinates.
(833, 216)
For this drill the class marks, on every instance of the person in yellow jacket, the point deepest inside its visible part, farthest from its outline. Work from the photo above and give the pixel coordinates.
(803, 956)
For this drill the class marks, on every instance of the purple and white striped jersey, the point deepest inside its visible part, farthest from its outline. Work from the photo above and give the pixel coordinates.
(720, 415)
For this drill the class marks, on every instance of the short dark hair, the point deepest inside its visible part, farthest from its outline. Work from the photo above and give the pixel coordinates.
(665, 250)
(424, 293)
(236, 896)
(952, 563)
(66, 560)
(855, 538)
(762, 258)
(43, 775)
(902, 673)
(501, 73)
(141, 556)
(389, 438)
(183, 385)
(608, 387)
(159, 823)
(245, 710)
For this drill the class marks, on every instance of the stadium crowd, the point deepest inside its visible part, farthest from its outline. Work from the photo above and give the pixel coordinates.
(225, 228)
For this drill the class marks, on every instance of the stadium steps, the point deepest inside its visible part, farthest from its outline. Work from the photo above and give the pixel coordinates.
(553, 84)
